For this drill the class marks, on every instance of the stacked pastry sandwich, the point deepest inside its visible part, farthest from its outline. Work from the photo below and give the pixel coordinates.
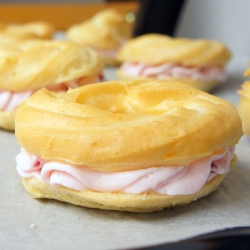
(137, 146)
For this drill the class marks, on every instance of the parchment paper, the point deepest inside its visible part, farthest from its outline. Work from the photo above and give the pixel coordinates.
(26, 223)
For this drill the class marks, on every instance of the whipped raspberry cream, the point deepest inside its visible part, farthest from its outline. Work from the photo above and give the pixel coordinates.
(182, 180)
(163, 71)
(9, 100)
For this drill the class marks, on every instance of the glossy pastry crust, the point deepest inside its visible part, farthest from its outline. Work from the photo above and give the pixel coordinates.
(145, 202)
(158, 49)
(122, 126)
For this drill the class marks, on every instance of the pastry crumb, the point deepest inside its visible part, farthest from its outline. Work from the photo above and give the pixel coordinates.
(32, 225)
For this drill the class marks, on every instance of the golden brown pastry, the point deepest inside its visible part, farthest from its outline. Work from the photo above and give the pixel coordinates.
(15, 32)
(105, 32)
(199, 63)
(135, 146)
(30, 65)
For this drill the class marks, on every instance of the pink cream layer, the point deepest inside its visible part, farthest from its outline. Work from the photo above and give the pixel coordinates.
(9, 100)
(182, 180)
(163, 71)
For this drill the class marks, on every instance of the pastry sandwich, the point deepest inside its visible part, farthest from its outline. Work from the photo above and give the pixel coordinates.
(200, 63)
(138, 146)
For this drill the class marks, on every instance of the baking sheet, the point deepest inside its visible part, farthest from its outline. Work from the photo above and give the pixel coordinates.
(26, 223)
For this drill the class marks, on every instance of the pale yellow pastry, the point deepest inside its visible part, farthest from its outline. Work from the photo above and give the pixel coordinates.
(30, 65)
(106, 32)
(199, 63)
(135, 146)
(15, 32)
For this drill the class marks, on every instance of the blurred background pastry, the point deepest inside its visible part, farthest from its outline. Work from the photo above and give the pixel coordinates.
(135, 146)
(200, 63)
(106, 32)
(15, 32)
(30, 65)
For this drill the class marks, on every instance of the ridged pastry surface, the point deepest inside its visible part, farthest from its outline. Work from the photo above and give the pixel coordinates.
(158, 49)
(119, 126)
(105, 30)
(33, 64)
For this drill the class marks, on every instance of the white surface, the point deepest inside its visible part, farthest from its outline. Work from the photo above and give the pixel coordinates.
(26, 223)
(224, 20)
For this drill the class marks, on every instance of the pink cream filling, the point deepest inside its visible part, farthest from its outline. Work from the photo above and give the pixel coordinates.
(9, 100)
(182, 180)
(163, 71)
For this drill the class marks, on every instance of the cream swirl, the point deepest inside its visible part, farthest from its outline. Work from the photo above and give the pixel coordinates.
(167, 70)
(182, 180)
(9, 100)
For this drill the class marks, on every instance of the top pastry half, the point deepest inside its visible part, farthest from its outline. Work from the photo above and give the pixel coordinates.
(33, 64)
